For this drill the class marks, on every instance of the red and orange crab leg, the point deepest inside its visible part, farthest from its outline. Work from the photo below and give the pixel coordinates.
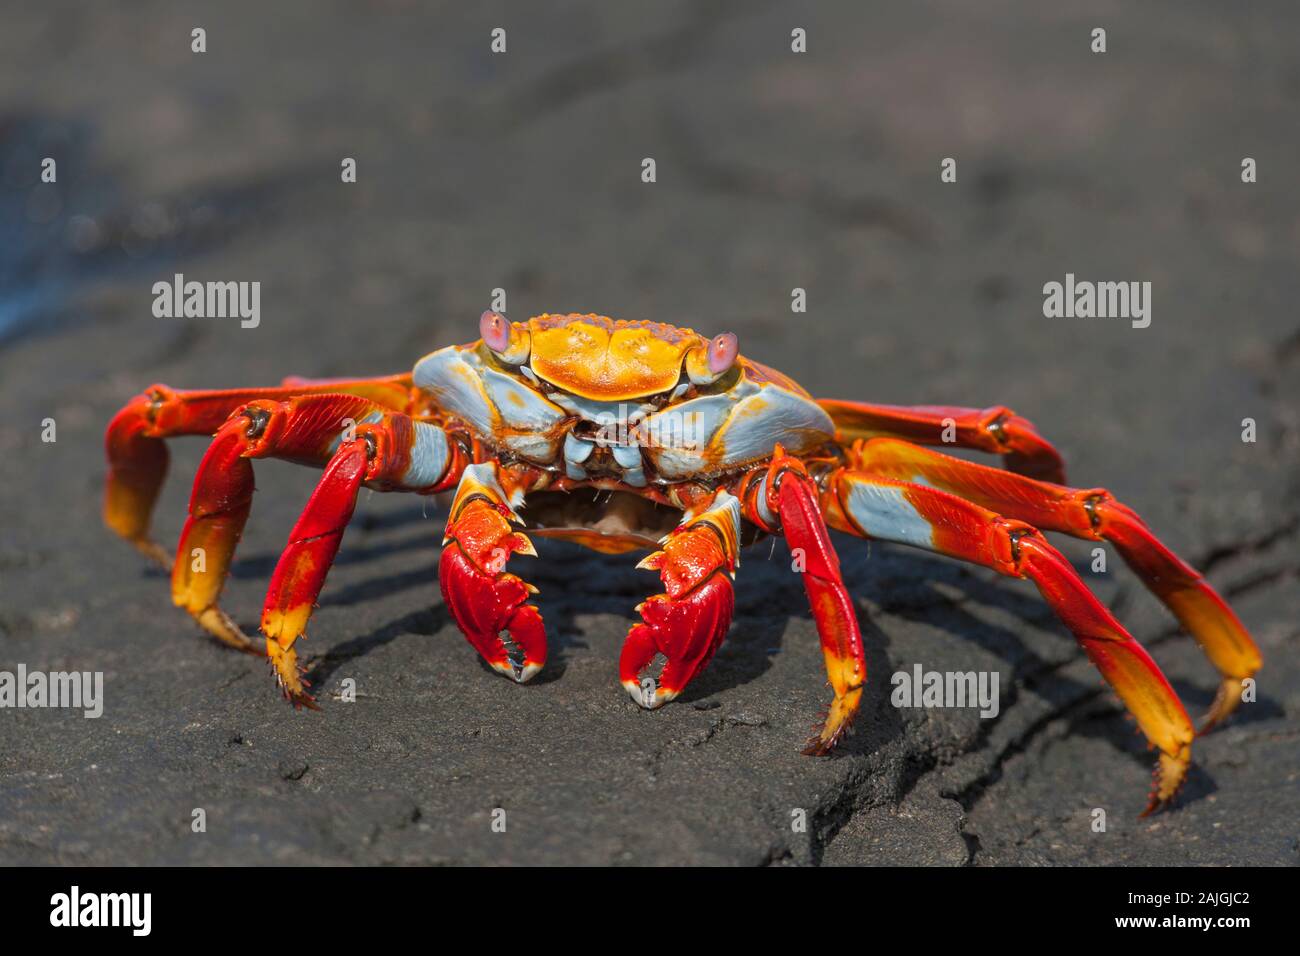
(687, 623)
(487, 601)
(862, 503)
(298, 428)
(1090, 513)
(784, 500)
(137, 456)
(997, 430)
(391, 452)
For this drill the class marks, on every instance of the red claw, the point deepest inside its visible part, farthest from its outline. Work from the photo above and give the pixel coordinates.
(686, 630)
(488, 606)
(687, 624)
(488, 602)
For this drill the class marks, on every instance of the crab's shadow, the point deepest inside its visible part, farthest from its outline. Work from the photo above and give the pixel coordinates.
(887, 583)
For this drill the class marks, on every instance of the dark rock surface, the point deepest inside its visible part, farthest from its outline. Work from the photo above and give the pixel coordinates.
(522, 171)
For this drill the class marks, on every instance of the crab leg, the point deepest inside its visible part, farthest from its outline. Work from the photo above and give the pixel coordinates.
(391, 452)
(1093, 514)
(688, 622)
(865, 504)
(487, 601)
(219, 506)
(300, 572)
(300, 428)
(998, 430)
(137, 456)
(785, 500)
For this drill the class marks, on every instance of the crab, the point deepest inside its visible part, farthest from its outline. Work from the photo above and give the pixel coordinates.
(640, 435)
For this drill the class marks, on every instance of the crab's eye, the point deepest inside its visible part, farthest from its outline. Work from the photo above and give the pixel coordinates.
(722, 352)
(510, 343)
(495, 330)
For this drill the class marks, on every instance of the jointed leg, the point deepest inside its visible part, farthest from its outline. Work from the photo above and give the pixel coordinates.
(219, 506)
(785, 500)
(487, 602)
(891, 510)
(390, 452)
(301, 428)
(301, 570)
(137, 456)
(1093, 514)
(687, 623)
(998, 430)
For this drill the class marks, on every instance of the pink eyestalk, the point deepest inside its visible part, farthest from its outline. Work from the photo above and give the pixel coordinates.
(495, 330)
(722, 352)
(705, 366)
(510, 343)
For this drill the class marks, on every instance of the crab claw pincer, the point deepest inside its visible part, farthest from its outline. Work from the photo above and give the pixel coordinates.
(687, 624)
(488, 602)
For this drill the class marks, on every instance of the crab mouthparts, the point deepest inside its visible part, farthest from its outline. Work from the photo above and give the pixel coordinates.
(619, 514)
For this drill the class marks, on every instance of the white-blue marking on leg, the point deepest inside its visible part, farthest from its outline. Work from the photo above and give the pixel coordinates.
(883, 511)
(428, 456)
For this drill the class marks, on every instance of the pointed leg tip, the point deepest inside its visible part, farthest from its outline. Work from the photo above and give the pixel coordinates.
(289, 676)
(838, 721)
(300, 697)
(154, 552)
(220, 625)
(1226, 699)
(1155, 804)
(301, 700)
(824, 744)
(1169, 777)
